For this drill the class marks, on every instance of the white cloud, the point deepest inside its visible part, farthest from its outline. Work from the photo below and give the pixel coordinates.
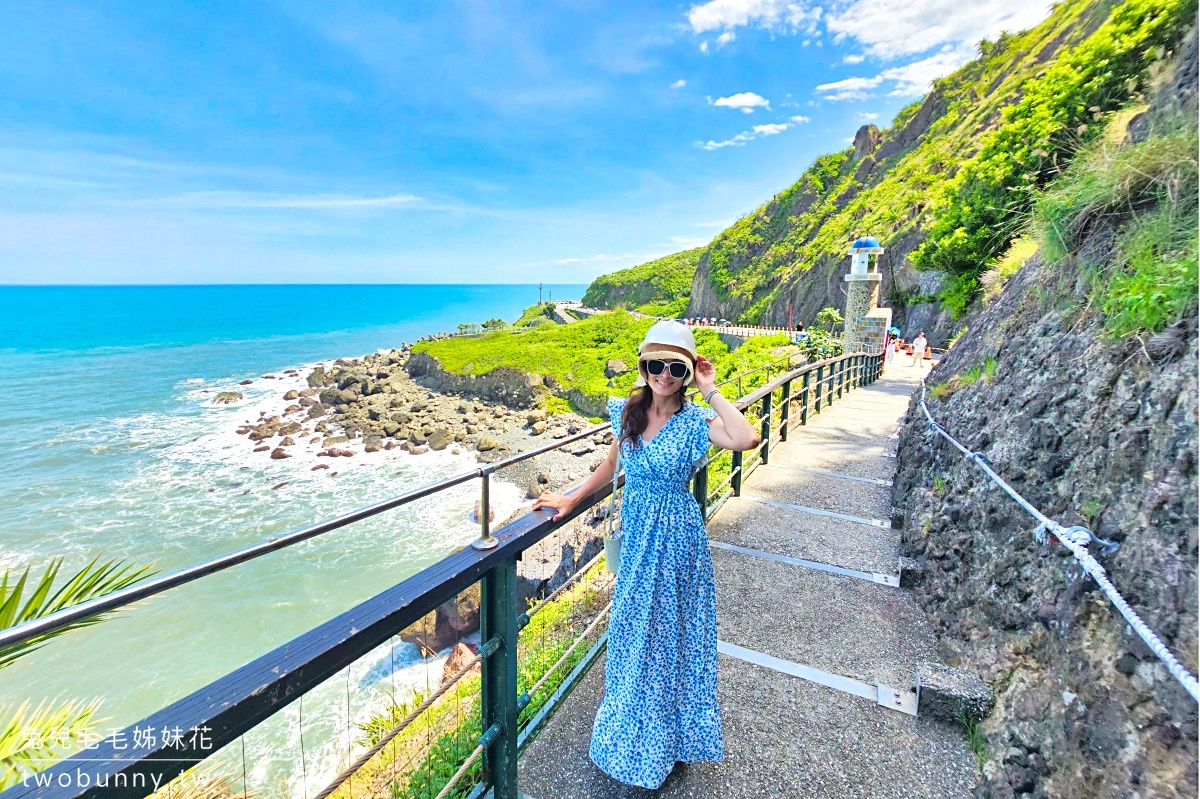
(772, 129)
(800, 119)
(745, 102)
(883, 28)
(906, 80)
(679, 84)
(867, 115)
(704, 46)
(915, 78)
(849, 88)
(725, 38)
(757, 132)
(772, 15)
(318, 202)
(888, 29)
(606, 258)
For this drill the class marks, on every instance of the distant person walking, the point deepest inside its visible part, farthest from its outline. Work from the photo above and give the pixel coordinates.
(660, 683)
(892, 346)
(918, 345)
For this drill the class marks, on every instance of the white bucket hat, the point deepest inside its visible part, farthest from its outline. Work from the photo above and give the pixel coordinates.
(671, 334)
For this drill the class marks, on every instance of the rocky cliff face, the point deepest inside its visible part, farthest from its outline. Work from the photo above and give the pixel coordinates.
(1096, 433)
(786, 260)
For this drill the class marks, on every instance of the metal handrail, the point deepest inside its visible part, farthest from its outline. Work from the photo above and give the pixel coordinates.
(240, 700)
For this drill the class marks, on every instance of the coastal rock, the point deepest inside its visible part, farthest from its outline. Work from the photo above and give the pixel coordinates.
(537, 428)
(372, 444)
(317, 377)
(558, 432)
(309, 392)
(291, 395)
(278, 454)
(316, 411)
(420, 449)
(614, 367)
(533, 417)
(416, 437)
(462, 654)
(246, 382)
(227, 397)
(331, 440)
(261, 449)
(390, 428)
(441, 438)
(287, 442)
(486, 443)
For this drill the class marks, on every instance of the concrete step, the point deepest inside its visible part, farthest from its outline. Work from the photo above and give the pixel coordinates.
(783, 531)
(831, 456)
(784, 737)
(783, 483)
(852, 628)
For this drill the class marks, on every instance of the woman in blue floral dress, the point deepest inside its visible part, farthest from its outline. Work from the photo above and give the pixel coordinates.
(660, 685)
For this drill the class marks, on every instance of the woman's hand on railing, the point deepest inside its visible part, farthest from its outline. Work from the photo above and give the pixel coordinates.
(559, 502)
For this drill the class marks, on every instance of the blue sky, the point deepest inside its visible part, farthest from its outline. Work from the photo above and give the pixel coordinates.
(471, 142)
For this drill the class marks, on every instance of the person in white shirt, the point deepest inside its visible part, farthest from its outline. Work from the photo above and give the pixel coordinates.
(919, 344)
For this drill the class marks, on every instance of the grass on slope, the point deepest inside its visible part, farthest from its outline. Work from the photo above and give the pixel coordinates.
(658, 288)
(810, 224)
(1148, 193)
(980, 211)
(575, 355)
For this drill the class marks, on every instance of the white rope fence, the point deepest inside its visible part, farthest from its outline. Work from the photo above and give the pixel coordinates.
(1076, 539)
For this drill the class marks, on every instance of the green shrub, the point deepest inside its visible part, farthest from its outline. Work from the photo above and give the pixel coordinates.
(980, 210)
(665, 282)
(1148, 193)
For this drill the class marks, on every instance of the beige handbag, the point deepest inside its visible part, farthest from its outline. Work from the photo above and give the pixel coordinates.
(612, 536)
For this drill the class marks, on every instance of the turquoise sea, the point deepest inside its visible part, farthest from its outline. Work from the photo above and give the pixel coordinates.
(110, 446)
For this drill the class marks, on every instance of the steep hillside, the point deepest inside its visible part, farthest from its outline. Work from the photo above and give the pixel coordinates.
(1077, 379)
(948, 186)
(658, 288)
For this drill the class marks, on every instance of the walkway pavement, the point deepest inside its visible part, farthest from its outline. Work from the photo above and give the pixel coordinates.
(811, 622)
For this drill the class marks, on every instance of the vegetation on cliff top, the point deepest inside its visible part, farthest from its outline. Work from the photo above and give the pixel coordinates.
(658, 288)
(575, 356)
(953, 180)
(1145, 195)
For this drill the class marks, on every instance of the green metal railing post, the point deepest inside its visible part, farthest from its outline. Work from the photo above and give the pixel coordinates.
(785, 411)
(820, 388)
(498, 618)
(804, 392)
(700, 489)
(766, 426)
(735, 480)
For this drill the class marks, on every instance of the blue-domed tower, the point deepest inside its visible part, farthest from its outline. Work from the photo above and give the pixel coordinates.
(866, 323)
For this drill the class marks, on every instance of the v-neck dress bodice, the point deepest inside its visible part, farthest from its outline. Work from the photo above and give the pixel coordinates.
(660, 685)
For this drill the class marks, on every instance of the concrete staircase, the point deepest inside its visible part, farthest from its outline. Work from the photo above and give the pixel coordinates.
(819, 644)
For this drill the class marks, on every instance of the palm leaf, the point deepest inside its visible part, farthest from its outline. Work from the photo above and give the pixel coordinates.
(94, 580)
(31, 739)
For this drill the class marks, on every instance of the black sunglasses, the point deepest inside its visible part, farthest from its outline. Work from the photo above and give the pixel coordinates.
(679, 369)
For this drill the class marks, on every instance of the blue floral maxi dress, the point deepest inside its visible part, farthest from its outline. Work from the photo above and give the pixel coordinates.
(660, 685)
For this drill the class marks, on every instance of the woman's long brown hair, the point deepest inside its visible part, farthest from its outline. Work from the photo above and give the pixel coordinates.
(635, 416)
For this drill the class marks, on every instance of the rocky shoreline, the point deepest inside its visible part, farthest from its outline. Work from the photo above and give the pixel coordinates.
(352, 408)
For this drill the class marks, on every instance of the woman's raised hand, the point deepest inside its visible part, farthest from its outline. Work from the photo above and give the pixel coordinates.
(559, 502)
(706, 374)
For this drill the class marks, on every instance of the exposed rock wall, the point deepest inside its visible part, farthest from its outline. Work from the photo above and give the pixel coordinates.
(512, 387)
(1096, 433)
